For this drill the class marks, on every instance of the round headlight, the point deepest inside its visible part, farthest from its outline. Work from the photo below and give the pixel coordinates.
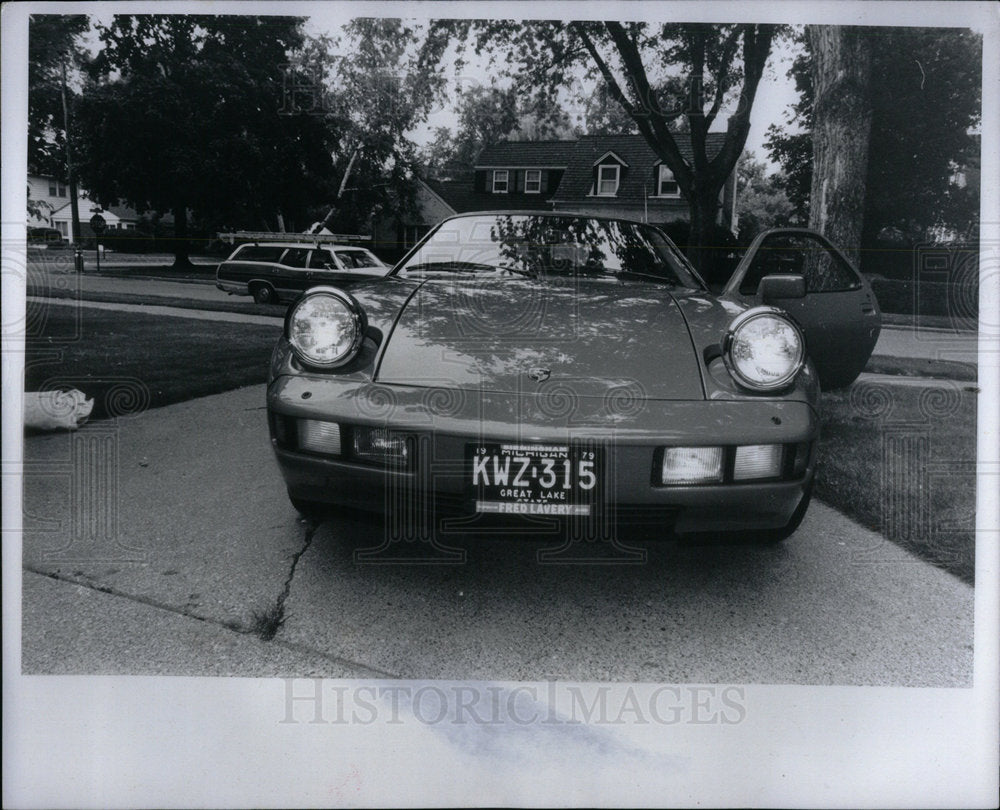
(325, 327)
(763, 349)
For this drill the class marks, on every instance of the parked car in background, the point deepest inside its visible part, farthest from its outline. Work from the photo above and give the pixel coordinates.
(530, 364)
(280, 271)
(46, 239)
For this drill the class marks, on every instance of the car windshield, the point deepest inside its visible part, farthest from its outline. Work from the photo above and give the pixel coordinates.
(547, 246)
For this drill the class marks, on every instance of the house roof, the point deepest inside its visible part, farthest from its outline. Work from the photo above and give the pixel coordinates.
(459, 194)
(637, 180)
(525, 154)
(122, 212)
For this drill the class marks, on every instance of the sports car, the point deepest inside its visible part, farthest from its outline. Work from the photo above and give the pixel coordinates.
(534, 365)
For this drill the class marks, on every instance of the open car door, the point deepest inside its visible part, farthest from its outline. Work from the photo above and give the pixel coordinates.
(838, 313)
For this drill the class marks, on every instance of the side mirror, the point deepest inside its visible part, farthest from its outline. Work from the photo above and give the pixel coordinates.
(774, 288)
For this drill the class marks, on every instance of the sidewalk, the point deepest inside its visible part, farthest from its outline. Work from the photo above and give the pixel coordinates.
(918, 342)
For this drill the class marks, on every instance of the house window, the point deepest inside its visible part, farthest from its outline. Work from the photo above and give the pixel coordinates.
(500, 182)
(57, 189)
(607, 181)
(666, 186)
(533, 181)
(63, 228)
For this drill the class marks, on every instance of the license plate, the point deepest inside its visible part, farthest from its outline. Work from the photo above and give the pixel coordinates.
(534, 479)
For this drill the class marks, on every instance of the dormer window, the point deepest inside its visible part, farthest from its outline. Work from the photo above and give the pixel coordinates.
(501, 183)
(666, 185)
(607, 180)
(533, 181)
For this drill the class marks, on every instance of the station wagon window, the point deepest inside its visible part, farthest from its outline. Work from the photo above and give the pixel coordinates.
(666, 186)
(533, 181)
(322, 260)
(607, 180)
(500, 181)
(296, 257)
(357, 258)
(800, 254)
(259, 253)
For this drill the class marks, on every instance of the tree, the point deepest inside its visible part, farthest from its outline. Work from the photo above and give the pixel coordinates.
(842, 117)
(925, 108)
(372, 99)
(487, 116)
(792, 148)
(183, 114)
(761, 201)
(53, 54)
(720, 65)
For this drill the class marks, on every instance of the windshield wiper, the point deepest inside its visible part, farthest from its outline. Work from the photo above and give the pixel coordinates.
(450, 267)
(463, 267)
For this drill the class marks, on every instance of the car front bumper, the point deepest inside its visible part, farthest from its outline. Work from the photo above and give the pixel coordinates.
(442, 424)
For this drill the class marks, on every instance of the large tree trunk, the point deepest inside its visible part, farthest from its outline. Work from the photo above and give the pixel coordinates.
(181, 260)
(701, 244)
(842, 117)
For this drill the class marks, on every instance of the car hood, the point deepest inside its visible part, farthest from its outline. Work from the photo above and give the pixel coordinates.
(567, 338)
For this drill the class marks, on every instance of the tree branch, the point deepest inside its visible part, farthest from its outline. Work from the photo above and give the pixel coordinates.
(728, 51)
(657, 135)
(756, 48)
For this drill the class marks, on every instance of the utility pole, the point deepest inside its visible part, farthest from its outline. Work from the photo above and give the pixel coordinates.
(70, 174)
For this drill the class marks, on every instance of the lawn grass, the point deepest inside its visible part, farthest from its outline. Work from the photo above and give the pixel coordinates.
(902, 460)
(129, 362)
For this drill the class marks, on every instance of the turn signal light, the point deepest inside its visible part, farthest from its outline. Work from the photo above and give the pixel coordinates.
(379, 444)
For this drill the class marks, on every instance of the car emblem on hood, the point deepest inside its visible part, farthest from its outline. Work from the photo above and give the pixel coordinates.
(539, 374)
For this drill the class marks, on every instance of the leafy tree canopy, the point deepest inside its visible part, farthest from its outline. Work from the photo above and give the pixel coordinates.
(372, 97)
(926, 102)
(760, 199)
(53, 49)
(183, 114)
(640, 66)
(489, 115)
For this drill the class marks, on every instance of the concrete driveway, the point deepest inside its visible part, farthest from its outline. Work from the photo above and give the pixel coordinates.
(164, 543)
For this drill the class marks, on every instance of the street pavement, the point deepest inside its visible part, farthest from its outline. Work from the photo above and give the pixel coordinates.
(165, 311)
(162, 543)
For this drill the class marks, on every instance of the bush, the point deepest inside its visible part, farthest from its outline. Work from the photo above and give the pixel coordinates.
(957, 301)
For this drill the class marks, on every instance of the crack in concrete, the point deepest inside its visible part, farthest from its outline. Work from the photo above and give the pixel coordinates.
(268, 622)
(232, 626)
(142, 600)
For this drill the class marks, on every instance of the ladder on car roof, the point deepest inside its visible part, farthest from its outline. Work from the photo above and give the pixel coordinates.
(267, 236)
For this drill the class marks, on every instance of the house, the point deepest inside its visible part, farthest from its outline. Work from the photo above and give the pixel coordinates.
(50, 194)
(57, 210)
(118, 219)
(607, 175)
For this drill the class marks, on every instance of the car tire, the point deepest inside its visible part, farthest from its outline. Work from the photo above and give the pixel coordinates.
(758, 537)
(310, 510)
(768, 537)
(264, 294)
